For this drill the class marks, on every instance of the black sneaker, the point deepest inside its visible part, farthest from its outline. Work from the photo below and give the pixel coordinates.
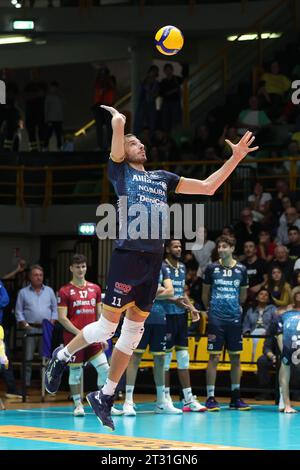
(101, 405)
(239, 404)
(54, 372)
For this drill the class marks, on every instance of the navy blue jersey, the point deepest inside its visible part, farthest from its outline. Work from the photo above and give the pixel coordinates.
(158, 314)
(146, 193)
(288, 324)
(177, 276)
(225, 285)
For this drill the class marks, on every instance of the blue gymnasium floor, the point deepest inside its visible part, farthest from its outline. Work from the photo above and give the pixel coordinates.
(55, 428)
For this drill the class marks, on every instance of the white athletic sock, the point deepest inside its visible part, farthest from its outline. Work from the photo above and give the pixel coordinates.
(77, 399)
(160, 394)
(210, 390)
(64, 355)
(188, 394)
(129, 393)
(167, 393)
(109, 387)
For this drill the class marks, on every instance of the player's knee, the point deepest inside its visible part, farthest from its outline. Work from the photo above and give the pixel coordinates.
(75, 375)
(130, 337)
(99, 331)
(214, 358)
(235, 359)
(168, 358)
(183, 359)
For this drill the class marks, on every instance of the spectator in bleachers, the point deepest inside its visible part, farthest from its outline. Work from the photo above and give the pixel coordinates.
(202, 250)
(258, 197)
(286, 204)
(282, 189)
(266, 246)
(258, 317)
(256, 270)
(294, 242)
(293, 150)
(279, 290)
(34, 96)
(170, 91)
(281, 259)
(266, 218)
(253, 119)
(231, 134)
(35, 303)
(246, 229)
(105, 93)
(273, 89)
(296, 282)
(292, 219)
(146, 112)
(54, 115)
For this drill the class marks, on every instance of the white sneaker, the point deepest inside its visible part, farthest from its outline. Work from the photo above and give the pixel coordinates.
(128, 408)
(167, 407)
(193, 405)
(116, 412)
(79, 410)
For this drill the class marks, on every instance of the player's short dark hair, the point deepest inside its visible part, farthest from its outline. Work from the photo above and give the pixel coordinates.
(78, 259)
(293, 227)
(224, 239)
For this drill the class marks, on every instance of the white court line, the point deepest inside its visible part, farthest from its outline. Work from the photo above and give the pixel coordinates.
(71, 412)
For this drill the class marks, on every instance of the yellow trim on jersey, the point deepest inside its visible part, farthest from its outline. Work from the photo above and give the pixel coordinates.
(161, 353)
(228, 267)
(120, 309)
(214, 352)
(235, 352)
(115, 160)
(62, 307)
(178, 184)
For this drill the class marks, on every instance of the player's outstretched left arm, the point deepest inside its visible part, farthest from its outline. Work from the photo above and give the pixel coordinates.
(214, 181)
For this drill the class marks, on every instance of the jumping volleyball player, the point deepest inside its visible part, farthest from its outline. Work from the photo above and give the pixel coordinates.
(135, 263)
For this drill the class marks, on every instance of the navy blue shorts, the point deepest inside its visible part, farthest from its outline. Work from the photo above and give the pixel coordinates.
(132, 280)
(224, 334)
(155, 336)
(290, 356)
(177, 331)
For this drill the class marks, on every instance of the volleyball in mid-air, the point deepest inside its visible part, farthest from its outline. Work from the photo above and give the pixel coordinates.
(169, 40)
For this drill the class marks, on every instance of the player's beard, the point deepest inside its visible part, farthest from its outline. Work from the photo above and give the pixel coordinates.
(136, 159)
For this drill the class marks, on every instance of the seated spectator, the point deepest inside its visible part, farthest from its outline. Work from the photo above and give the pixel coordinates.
(202, 250)
(246, 229)
(279, 290)
(258, 197)
(294, 242)
(293, 150)
(286, 204)
(272, 91)
(281, 259)
(256, 270)
(266, 247)
(282, 189)
(296, 282)
(229, 133)
(258, 317)
(292, 219)
(265, 217)
(253, 119)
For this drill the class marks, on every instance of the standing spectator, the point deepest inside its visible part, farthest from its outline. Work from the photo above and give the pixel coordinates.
(282, 189)
(105, 93)
(278, 288)
(146, 113)
(256, 270)
(35, 303)
(202, 250)
(12, 119)
(246, 229)
(274, 87)
(54, 115)
(258, 317)
(34, 96)
(258, 197)
(170, 91)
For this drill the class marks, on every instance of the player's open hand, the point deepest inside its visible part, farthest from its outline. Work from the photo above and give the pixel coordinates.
(113, 111)
(242, 148)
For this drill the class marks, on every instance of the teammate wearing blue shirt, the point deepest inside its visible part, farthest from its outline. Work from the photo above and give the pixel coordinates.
(177, 325)
(135, 263)
(154, 336)
(286, 326)
(226, 283)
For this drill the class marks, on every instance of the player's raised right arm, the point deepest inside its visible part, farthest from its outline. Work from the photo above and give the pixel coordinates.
(118, 124)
